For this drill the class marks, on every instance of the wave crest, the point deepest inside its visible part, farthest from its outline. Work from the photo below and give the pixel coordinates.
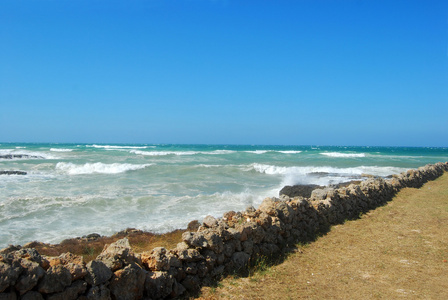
(343, 155)
(98, 168)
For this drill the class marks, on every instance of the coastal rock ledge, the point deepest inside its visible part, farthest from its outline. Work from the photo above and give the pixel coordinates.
(219, 246)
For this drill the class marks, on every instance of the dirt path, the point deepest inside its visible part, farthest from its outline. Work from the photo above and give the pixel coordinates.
(396, 251)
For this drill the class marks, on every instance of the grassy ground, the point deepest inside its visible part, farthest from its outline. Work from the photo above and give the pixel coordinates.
(139, 241)
(396, 251)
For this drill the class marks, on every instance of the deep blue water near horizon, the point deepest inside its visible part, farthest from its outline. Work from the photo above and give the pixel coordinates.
(72, 190)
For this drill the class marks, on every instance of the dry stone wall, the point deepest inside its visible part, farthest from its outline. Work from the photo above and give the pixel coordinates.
(219, 246)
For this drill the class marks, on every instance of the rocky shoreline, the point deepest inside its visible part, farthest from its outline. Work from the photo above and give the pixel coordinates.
(219, 246)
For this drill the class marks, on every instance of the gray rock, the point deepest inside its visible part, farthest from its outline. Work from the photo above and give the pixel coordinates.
(70, 293)
(97, 273)
(117, 255)
(321, 194)
(210, 222)
(128, 283)
(156, 260)
(159, 285)
(98, 293)
(240, 260)
(31, 274)
(9, 274)
(192, 283)
(32, 295)
(55, 280)
(8, 296)
(302, 190)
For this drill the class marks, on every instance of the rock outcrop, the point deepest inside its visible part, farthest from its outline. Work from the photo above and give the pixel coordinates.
(20, 156)
(12, 173)
(218, 246)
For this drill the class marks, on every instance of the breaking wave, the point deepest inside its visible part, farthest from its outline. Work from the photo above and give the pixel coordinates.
(98, 168)
(343, 155)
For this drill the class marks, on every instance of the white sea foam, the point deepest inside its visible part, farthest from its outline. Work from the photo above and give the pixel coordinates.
(27, 154)
(278, 151)
(258, 151)
(180, 153)
(290, 152)
(116, 147)
(372, 170)
(61, 150)
(322, 175)
(343, 155)
(98, 168)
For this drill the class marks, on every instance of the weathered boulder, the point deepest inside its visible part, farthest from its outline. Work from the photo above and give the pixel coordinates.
(98, 293)
(208, 238)
(56, 279)
(9, 274)
(240, 260)
(117, 255)
(268, 206)
(31, 255)
(156, 260)
(299, 190)
(32, 295)
(75, 264)
(192, 283)
(321, 194)
(8, 296)
(158, 285)
(184, 253)
(97, 273)
(31, 274)
(70, 293)
(128, 283)
(210, 222)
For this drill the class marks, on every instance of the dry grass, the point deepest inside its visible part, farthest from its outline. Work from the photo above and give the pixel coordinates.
(140, 242)
(396, 251)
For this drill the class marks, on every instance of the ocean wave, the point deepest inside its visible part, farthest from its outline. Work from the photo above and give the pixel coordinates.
(117, 147)
(98, 168)
(278, 151)
(323, 175)
(60, 150)
(24, 154)
(290, 152)
(309, 170)
(258, 151)
(180, 153)
(343, 155)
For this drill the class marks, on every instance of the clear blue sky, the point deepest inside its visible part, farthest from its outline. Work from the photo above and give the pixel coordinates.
(328, 72)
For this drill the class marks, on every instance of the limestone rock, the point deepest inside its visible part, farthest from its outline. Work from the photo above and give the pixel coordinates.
(192, 283)
(9, 274)
(8, 296)
(156, 260)
(32, 295)
(300, 190)
(240, 260)
(117, 255)
(31, 274)
(98, 293)
(55, 280)
(128, 283)
(210, 222)
(70, 293)
(97, 273)
(158, 285)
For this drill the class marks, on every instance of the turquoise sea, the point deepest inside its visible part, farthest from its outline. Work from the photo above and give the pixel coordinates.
(73, 190)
